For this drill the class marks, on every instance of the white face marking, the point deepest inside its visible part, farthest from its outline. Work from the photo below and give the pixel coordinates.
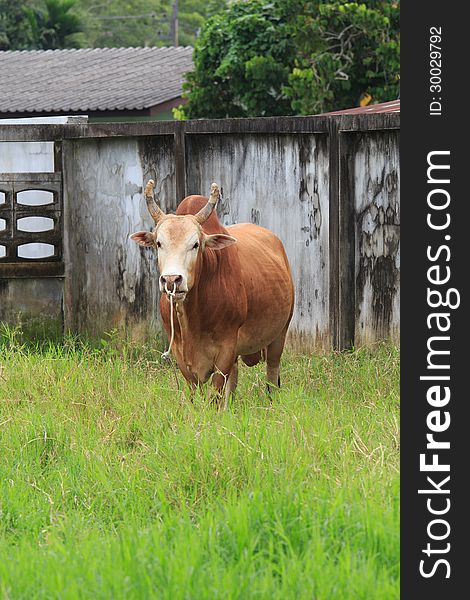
(177, 242)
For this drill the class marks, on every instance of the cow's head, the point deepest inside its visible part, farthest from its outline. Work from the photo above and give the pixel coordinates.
(179, 242)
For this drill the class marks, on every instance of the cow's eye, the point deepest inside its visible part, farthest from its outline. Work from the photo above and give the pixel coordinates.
(158, 245)
(196, 245)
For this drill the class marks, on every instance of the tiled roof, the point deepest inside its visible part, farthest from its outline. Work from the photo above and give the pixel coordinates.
(95, 79)
(384, 107)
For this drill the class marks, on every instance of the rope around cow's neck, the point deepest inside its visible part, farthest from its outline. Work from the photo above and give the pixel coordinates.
(166, 355)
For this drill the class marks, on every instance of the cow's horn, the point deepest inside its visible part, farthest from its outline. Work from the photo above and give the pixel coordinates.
(154, 210)
(206, 212)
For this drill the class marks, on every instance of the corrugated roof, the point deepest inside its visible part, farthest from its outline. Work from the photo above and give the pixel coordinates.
(91, 79)
(384, 107)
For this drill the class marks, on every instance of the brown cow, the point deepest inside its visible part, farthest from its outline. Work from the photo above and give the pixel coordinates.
(231, 287)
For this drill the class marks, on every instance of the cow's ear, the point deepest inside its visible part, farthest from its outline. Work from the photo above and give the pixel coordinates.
(143, 238)
(218, 241)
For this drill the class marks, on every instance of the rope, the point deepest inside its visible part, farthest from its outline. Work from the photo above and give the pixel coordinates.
(217, 371)
(166, 355)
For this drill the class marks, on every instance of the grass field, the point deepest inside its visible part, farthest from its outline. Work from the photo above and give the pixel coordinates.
(114, 485)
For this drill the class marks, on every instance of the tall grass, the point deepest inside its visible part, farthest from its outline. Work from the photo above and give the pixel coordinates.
(115, 485)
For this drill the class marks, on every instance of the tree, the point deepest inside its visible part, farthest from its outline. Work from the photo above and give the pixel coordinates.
(192, 16)
(241, 60)
(53, 24)
(15, 32)
(38, 24)
(293, 57)
(345, 51)
(102, 24)
(115, 23)
(123, 23)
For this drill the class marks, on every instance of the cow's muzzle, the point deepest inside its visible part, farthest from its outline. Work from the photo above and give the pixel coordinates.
(171, 285)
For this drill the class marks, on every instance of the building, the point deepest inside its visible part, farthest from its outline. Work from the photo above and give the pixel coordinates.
(107, 84)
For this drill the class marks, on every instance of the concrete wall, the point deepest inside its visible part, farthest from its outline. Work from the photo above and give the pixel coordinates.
(272, 177)
(281, 183)
(110, 281)
(26, 157)
(36, 302)
(30, 157)
(376, 191)
(329, 188)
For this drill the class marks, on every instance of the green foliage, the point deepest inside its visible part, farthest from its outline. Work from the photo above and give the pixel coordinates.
(32, 24)
(252, 57)
(241, 60)
(193, 15)
(15, 33)
(114, 485)
(123, 23)
(38, 24)
(345, 50)
(135, 23)
(53, 24)
(293, 57)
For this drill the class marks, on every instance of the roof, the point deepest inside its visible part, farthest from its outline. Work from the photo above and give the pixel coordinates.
(91, 79)
(371, 109)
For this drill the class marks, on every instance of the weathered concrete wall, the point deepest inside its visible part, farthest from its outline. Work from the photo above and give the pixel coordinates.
(26, 157)
(329, 188)
(29, 157)
(110, 281)
(376, 192)
(279, 182)
(34, 304)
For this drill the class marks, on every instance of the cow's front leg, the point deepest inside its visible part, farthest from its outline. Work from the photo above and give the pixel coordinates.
(190, 377)
(231, 383)
(225, 376)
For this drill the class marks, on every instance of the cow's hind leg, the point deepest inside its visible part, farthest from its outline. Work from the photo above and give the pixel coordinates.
(273, 359)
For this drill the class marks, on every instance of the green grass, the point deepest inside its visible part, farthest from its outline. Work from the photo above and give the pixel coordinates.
(114, 485)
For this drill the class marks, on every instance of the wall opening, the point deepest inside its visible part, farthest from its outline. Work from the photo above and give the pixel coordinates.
(35, 250)
(35, 198)
(35, 224)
